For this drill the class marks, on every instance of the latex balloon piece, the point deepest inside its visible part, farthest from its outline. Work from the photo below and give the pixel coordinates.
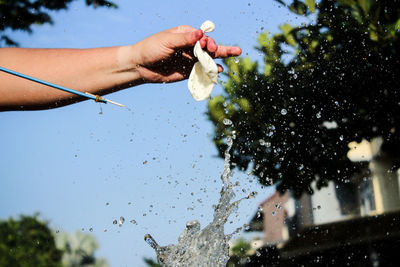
(205, 72)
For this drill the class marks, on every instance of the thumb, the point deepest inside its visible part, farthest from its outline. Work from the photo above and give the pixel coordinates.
(186, 39)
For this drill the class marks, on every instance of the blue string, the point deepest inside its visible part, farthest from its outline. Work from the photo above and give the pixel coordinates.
(95, 98)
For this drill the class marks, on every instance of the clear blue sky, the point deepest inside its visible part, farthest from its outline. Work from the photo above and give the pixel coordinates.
(67, 163)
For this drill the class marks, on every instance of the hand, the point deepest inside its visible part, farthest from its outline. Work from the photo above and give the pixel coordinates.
(163, 57)
(167, 56)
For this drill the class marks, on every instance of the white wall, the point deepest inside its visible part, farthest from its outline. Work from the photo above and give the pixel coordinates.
(325, 206)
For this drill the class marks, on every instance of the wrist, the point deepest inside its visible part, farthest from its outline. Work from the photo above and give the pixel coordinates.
(128, 59)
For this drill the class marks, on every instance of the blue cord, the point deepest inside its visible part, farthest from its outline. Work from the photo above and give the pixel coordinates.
(90, 96)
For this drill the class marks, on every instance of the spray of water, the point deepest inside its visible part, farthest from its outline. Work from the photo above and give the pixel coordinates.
(208, 246)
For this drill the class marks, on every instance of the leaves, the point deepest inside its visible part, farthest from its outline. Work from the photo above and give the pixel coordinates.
(97, 3)
(150, 262)
(345, 70)
(22, 14)
(298, 7)
(310, 5)
(240, 248)
(27, 242)
(287, 32)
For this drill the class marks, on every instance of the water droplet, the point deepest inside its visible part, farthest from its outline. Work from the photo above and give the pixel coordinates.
(227, 121)
(229, 141)
(318, 115)
(121, 221)
(252, 194)
(150, 240)
(341, 138)
(273, 213)
(236, 60)
(283, 111)
(193, 226)
(207, 246)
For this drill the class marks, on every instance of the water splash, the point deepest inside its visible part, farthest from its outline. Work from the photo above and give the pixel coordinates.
(208, 246)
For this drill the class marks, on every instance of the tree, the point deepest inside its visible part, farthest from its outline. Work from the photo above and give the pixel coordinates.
(239, 253)
(150, 262)
(321, 86)
(79, 250)
(27, 242)
(22, 14)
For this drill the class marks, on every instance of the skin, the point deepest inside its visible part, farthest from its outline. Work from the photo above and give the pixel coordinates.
(164, 57)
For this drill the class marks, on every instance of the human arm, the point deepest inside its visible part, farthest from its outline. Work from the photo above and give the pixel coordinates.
(163, 57)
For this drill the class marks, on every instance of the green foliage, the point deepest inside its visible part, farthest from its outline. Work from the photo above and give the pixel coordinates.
(22, 14)
(79, 250)
(239, 253)
(240, 248)
(343, 68)
(27, 242)
(151, 263)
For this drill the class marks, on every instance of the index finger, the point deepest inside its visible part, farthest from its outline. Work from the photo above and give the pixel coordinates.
(227, 51)
(181, 29)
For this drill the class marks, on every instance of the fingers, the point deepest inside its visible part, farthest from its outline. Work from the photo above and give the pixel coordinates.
(203, 41)
(181, 29)
(211, 45)
(220, 68)
(187, 36)
(185, 39)
(219, 51)
(227, 51)
(208, 42)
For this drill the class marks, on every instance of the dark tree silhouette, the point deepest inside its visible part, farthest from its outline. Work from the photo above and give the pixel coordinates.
(27, 242)
(343, 68)
(22, 14)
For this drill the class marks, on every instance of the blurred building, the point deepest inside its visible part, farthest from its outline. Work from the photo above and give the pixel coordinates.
(352, 223)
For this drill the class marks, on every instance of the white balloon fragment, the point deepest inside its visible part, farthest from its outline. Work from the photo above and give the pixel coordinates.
(205, 72)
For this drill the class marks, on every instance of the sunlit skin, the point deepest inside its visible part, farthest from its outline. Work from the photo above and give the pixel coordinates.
(164, 57)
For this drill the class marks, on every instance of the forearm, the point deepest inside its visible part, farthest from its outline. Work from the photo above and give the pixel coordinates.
(163, 57)
(97, 71)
